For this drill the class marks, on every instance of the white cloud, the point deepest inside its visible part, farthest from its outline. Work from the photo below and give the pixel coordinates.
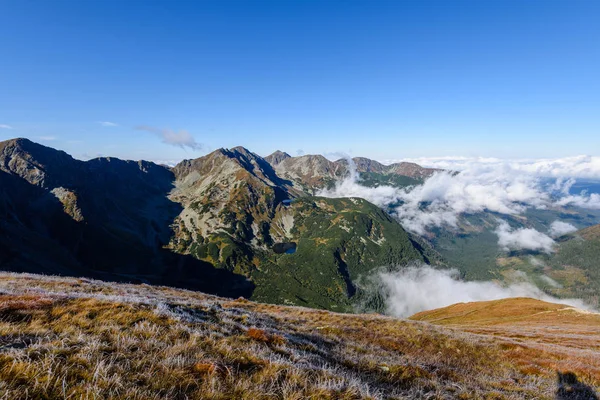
(536, 262)
(559, 228)
(550, 281)
(591, 201)
(587, 167)
(108, 123)
(181, 139)
(522, 239)
(481, 185)
(4, 126)
(420, 288)
(47, 138)
(168, 163)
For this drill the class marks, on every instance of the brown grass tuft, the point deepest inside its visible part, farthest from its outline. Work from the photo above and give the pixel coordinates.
(263, 336)
(205, 368)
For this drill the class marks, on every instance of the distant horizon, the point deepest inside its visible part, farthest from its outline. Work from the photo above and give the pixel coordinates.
(554, 167)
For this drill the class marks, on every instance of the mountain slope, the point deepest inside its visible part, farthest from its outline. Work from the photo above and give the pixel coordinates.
(310, 172)
(238, 212)
(313, 172)
(79, 338)
(220, 223)
(276, 157)
(339, 241)
(102, 218)
(572, 270)
(536, 337)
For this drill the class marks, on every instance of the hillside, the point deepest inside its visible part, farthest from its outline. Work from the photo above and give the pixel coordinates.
(66, 337)
(104, 217)
(238, 211)
(536, 336)
(217, 224)
(573, 268)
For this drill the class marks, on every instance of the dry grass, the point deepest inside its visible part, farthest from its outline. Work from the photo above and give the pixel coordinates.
(535, 336)
(75, 338)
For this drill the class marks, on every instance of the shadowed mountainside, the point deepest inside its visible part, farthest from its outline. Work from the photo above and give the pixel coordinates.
(212, 224)
(102, 218)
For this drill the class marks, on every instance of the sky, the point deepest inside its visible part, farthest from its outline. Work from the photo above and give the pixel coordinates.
(171, 80)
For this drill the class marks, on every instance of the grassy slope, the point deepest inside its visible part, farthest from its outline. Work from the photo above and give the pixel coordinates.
(75, 338)
(535, 335)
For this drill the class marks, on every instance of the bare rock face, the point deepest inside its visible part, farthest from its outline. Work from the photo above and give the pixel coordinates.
(276, 157)
(310, 172)
(68, 199)
(363, 164)
(39, 165)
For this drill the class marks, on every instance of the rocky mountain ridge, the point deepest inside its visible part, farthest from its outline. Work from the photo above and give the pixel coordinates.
(311, 172)
(215, 223)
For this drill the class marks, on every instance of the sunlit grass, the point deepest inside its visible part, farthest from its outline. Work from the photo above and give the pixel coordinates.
(74, 338)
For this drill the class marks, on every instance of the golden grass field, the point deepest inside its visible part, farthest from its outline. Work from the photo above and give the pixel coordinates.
(68, 338)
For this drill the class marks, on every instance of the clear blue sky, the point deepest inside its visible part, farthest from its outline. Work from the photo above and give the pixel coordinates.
(372, 78)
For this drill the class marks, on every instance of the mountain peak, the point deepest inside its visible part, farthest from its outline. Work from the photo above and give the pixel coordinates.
(36, 163)
(276, 157)
(21, 143)
(241, 149)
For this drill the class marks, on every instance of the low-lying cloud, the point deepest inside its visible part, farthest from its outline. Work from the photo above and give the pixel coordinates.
(522, 239)
(559, 228)
(583, 167)
(421, 288)
(508, 188)
(181, 139)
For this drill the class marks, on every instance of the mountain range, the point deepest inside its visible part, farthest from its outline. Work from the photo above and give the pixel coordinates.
(230, 223)
(233, 223)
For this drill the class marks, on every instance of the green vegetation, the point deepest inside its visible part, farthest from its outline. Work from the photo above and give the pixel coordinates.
(574, 267)
(373, 179)
(473, 249)
(339, 241)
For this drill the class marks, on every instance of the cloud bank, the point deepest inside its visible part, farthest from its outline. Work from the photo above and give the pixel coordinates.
(108, 123)
(4, 126)
(583, 167)
(482, 185)
(181, 139)
(421, 288)
(522, 239)
(559, 228)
